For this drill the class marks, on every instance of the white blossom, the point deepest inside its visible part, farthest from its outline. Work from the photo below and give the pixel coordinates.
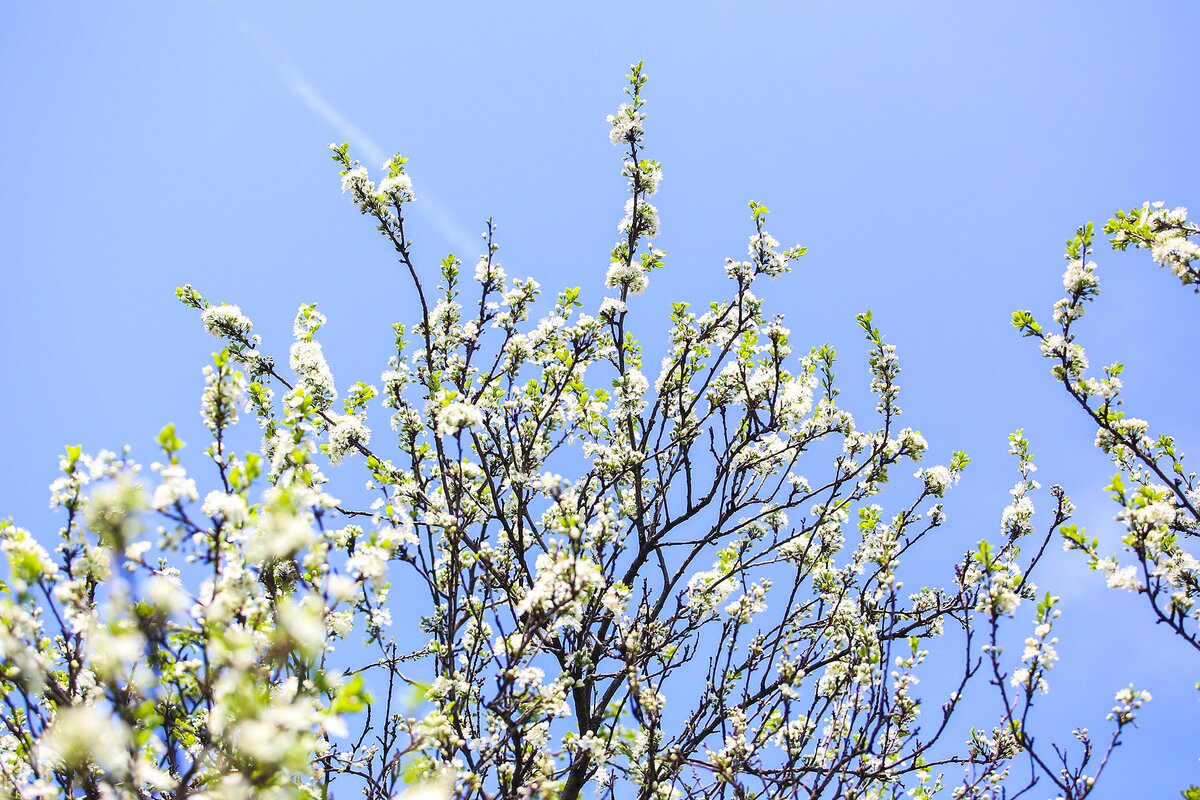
(456, 416)
(345, 434)
(226, 320)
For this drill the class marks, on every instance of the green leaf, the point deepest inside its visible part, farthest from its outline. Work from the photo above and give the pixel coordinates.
(1116, 487)
(169, 442)
(351, 697)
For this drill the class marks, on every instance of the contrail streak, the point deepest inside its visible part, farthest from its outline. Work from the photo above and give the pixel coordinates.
(427, 206)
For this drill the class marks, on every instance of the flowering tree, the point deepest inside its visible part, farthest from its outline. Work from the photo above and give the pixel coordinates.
(1158, 497)
(711, 605)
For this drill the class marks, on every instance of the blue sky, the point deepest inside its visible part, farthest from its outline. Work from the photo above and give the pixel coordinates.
(932, 157)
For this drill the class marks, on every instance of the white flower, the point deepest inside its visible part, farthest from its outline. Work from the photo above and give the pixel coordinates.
(176, 487)
(1056, 346)
(937, 479)
(1128, 702)
(398, 188)
(1155, 514)
(348, 432)
(562, 589)
(752, 602)
(308, 362)
(456, 416)
(913, 443)
(304, 625)
(1016, 519)
(630, 391)
(626, 125)
(707, 590)
(641, 216)
(231, 508)
(356, 178)
(1124, 578)
(308, 321)
(82, 735)
(1079, 276)
(28, 560)
(165, 594)
(223, 392)
(628, 276)
(369, 562)
(616, 598)
(611, 306)
(225, 320)
(280, 534)
(341, 588)
(340, 623)
(112, 511)
(135, 550)
(649, 176)
(489, 273)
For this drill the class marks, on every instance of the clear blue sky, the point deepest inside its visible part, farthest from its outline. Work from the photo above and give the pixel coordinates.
(932, 156)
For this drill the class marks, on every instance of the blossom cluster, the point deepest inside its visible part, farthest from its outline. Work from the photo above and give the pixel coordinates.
(565, 571)
(1159, 497)
(1166, 233)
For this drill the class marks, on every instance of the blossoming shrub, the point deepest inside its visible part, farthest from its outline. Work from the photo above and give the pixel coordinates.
(652, 581)
(1158, 496)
